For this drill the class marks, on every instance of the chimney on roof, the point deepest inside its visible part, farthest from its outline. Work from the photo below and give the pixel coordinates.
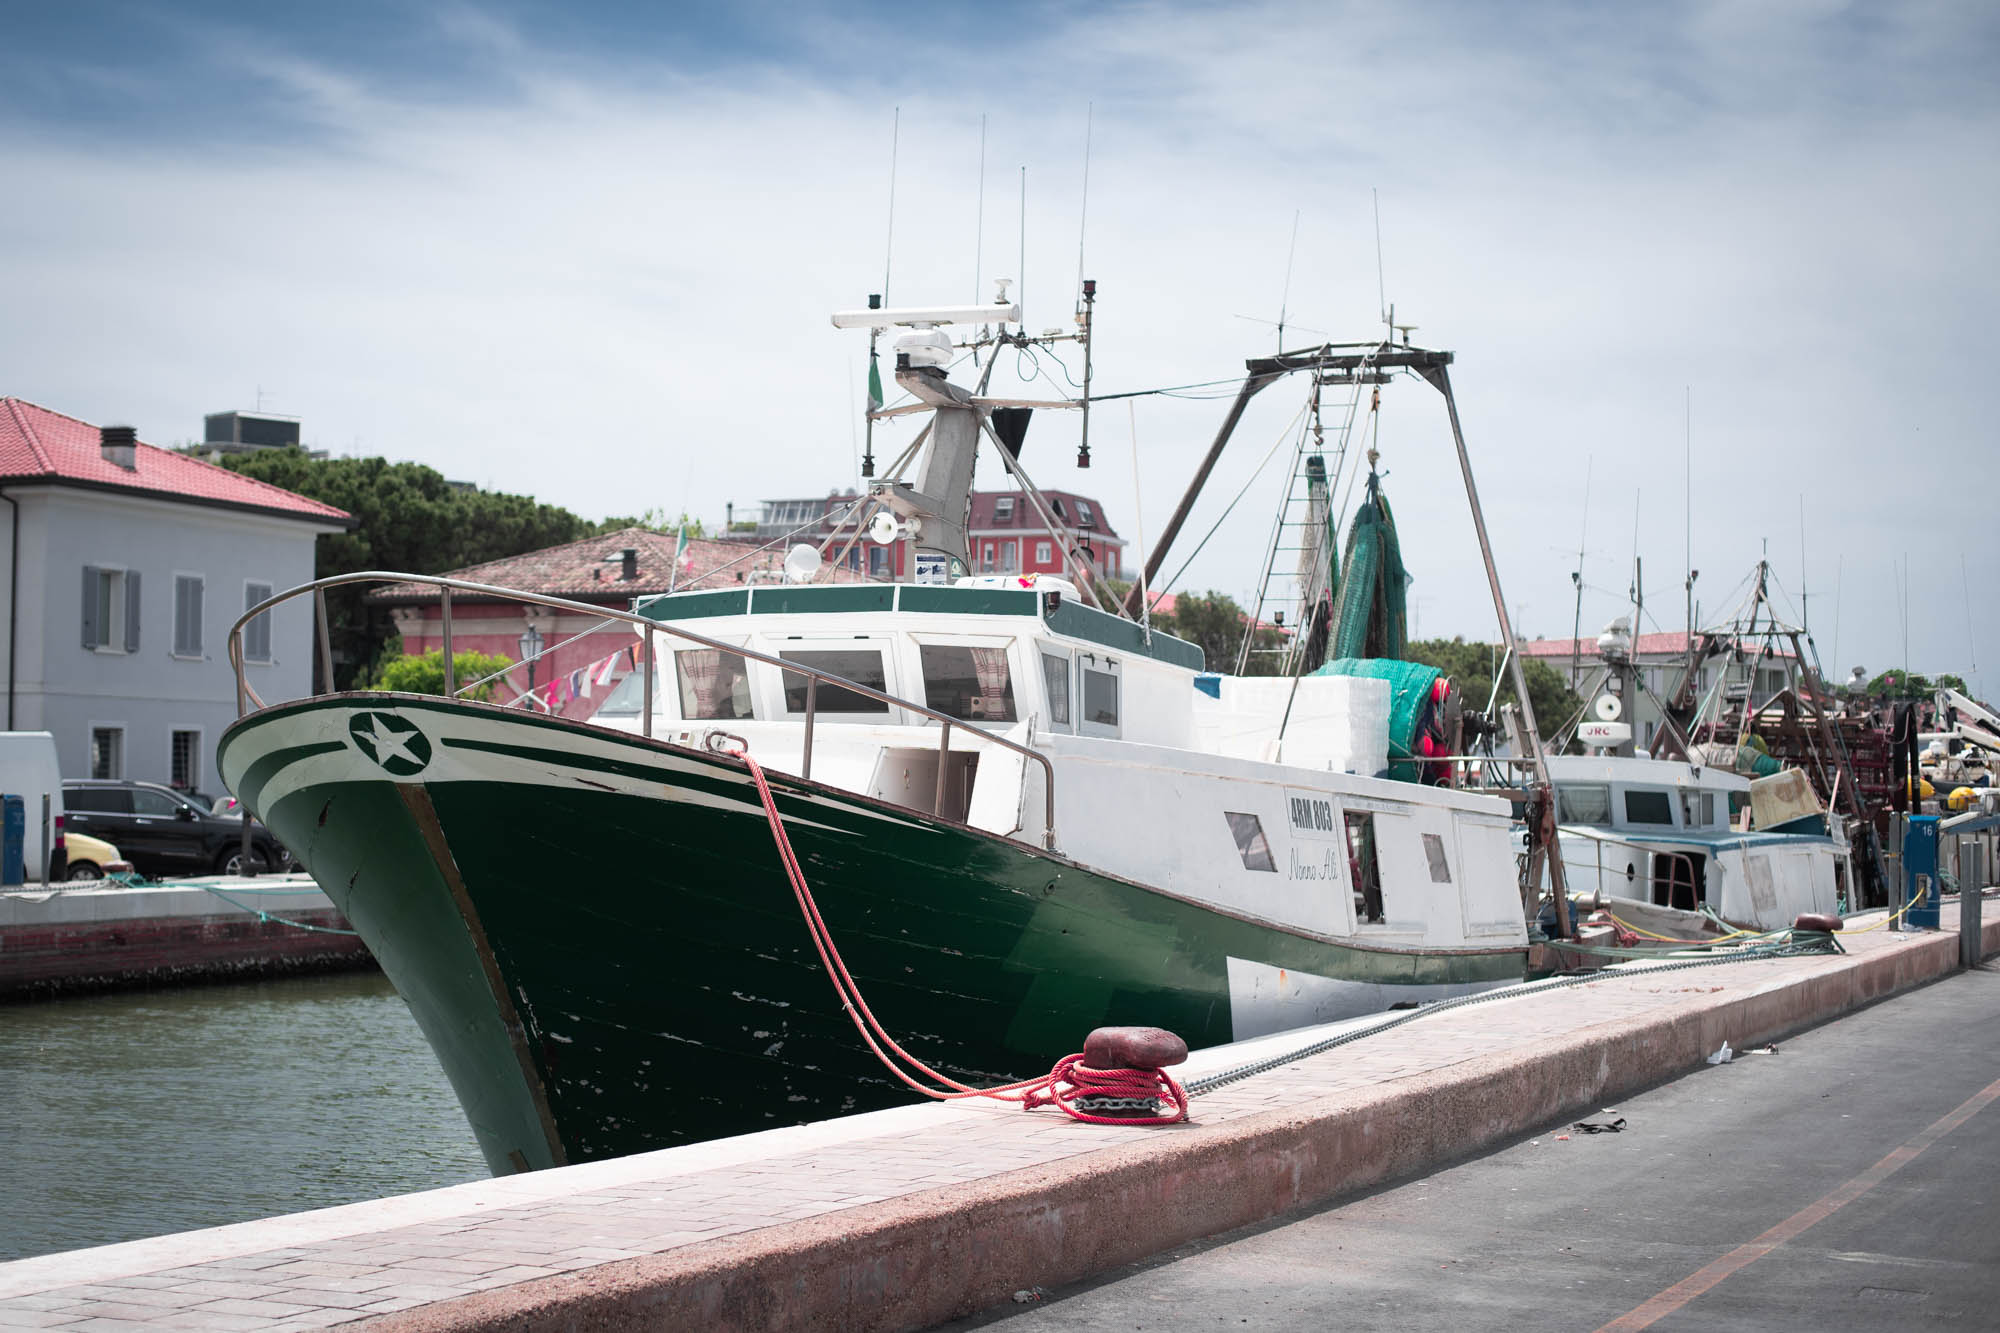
(119, 445)
(628, 564)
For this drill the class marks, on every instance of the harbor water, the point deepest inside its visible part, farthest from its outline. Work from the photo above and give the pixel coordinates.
(135, 1114)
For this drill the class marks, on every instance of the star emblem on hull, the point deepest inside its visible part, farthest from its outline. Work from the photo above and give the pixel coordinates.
(390, 741)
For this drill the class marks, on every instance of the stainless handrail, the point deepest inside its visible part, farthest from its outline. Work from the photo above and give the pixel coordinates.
(247, 696)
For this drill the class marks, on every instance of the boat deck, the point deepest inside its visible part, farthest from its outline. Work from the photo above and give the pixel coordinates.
(903, 1218)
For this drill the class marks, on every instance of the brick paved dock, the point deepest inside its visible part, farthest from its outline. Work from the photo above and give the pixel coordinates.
(902, 1218)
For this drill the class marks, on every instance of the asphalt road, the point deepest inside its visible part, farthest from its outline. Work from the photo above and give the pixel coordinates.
(1846, 1182)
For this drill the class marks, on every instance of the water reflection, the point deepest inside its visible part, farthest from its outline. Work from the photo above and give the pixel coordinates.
(135, 1114)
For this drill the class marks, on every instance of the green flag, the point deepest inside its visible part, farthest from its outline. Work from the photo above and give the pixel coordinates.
(874, 384)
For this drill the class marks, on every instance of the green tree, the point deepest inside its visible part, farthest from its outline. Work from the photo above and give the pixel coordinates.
(1214, 622)
(1897, 683)
(408, 519)
(425, 674)
(1470, 667)
(656, 520)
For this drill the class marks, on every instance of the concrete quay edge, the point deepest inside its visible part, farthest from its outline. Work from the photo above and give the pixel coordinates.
(922, 1258)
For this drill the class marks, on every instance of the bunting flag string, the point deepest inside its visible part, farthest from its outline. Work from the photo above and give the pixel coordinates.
(550, 697)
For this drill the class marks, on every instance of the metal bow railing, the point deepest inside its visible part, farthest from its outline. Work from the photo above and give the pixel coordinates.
(247, 698)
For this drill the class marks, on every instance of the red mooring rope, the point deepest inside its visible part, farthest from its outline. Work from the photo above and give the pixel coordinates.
(1069, 1082)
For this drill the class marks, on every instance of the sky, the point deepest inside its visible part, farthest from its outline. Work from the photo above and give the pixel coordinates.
(1718, 278)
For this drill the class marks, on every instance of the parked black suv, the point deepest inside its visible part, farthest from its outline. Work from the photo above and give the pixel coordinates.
(163, 833)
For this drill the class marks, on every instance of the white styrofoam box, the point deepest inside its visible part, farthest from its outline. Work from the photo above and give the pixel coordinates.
(1339, 723)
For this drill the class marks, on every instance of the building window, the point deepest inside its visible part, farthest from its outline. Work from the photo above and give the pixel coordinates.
(1057, 505)
(878, 561)
(1361, 863)
(187, 615)
(1055, 679)
(257, 634)
(972, 684)
(1251, 844)
(1041, 554)
(1003, 509)
(107, 752)
(1083, 517)
(185, 758)
(110, 610)
(1010, 558)
(986, 559)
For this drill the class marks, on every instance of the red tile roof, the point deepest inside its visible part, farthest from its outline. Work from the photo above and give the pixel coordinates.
(1667, 643)
(981, 518)
(588, 570)
(39, 445)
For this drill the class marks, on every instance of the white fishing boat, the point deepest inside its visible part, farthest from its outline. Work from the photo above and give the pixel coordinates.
(1021, 814)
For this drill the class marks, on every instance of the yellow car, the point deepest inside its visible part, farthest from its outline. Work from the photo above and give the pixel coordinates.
(93, 858)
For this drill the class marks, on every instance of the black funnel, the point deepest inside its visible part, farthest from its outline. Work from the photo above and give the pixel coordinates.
(1011, 425)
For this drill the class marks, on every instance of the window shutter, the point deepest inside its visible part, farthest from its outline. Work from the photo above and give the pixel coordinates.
(90, 626)
(132, 611)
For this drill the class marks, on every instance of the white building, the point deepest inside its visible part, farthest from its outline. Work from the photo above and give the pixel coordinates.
(126, 567)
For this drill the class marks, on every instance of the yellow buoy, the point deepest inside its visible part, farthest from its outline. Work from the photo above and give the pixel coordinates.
(1960, 798)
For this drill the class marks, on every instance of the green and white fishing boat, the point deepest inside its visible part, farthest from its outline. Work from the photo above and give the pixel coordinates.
(1022, 814)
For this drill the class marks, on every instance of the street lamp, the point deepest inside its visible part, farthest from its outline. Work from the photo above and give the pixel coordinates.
(531, 647)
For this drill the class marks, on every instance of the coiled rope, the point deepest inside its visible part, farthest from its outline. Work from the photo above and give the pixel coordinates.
(1073, 1087)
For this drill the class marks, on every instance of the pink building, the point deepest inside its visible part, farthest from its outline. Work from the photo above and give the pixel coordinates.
(579, 658)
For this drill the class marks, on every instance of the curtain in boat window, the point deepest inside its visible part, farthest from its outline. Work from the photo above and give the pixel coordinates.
(968, 683)
(712, 684)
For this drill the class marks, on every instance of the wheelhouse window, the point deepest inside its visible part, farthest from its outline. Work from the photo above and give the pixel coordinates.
(714, 686)
(1363, 866)
(1583, 803)
(1649, 807)
(1055, 681)
(972, 684)
(863, 666)
(1251, 844)
(1697, 809)
(1434, 854)
(1100, 696)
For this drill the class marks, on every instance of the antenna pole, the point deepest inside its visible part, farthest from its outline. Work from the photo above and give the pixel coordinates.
(1687, 504)
(1381, 289)
(1576, 633)
(1083, 209)
(889, 247)
(979, 221)
(1021, 275)
(1089, 288)
(1285, 298)
(1805, 616)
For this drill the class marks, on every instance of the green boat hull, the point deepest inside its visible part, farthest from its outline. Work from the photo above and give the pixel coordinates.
(597, 937)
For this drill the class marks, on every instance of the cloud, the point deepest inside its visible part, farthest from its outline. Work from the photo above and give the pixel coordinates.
(601, 275)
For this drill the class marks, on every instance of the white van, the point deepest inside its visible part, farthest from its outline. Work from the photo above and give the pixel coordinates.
(28, 769)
